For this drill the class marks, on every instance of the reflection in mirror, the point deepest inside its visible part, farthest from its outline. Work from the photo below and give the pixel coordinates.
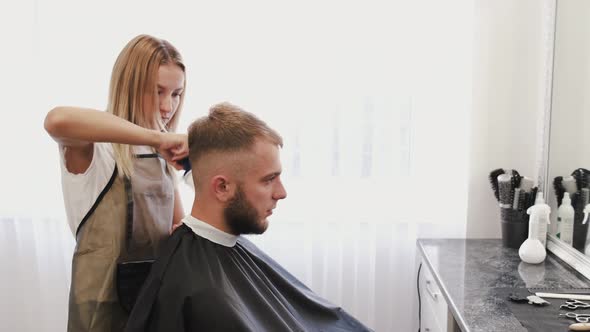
(569, 144)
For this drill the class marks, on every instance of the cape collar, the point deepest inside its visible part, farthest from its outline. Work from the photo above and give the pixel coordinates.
(209, 232)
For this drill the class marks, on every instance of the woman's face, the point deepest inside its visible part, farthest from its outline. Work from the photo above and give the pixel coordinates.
(170, 87)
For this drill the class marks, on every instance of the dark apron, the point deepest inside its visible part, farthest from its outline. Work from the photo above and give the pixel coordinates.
(126, 224)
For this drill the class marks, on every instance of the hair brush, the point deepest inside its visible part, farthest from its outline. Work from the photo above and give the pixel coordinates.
(505, 190)
(558, 189)
(581, 175)
(516, 179)
(531, 197)
(493, 177)
(521, 200)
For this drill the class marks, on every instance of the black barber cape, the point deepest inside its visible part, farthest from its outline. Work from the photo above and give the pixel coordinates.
(199, 285)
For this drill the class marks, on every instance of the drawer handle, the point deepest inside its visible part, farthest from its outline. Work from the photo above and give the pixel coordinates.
(432, 293)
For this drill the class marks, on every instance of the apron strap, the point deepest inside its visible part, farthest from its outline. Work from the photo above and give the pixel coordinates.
(98, 200)
(148, 155)
(129, 220)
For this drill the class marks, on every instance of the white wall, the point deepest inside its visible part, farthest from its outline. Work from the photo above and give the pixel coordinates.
(508, 94)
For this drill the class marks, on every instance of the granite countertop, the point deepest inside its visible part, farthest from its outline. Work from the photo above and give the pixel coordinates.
(473, 275)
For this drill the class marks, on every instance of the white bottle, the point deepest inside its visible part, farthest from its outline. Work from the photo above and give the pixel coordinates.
(532, 250)
(539, 218)
(565, 220)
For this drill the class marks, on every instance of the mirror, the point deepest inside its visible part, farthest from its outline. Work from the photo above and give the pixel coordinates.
(569, 129)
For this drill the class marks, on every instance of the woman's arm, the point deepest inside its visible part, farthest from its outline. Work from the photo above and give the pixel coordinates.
(73, 126)
(78, 128)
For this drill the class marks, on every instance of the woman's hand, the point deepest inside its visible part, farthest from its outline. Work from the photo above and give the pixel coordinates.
(173, 147)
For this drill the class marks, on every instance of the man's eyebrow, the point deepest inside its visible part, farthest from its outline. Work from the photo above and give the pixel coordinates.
(271, 175)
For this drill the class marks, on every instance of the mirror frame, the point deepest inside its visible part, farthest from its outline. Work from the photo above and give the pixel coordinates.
(568, 254)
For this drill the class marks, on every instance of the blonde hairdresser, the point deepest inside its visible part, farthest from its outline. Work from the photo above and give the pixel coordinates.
(118, 176)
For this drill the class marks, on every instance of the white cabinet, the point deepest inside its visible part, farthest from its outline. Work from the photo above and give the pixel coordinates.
(435, 315)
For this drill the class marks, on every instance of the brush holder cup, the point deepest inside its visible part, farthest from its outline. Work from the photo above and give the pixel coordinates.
(515, 227)
(580, 230)
(580, 234)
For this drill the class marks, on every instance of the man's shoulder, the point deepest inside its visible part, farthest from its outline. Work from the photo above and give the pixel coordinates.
(175, 247)
(254, 251)
(246, 243)
(186, 259)
(170, 250)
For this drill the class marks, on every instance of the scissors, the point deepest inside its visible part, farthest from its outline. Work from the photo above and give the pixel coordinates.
(574, 304)
(580, 318)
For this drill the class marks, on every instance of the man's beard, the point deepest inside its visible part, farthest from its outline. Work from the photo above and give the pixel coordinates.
(241, 216)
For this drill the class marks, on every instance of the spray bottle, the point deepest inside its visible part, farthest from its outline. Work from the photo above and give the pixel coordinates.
(565, 220)
(532, 249)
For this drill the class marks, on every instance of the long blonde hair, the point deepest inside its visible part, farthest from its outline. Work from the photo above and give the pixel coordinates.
(135, 75)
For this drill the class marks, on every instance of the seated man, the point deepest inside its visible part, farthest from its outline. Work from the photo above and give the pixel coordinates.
(208, 277)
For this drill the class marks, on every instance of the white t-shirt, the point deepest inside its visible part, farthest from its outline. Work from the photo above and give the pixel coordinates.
(81, 190)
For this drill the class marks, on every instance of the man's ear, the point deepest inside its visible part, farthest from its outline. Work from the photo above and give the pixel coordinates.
(222, 188)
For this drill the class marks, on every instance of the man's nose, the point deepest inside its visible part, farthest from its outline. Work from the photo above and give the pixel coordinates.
(281, 192)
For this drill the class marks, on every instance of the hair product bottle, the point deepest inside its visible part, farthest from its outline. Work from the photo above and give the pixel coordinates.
(565, 220)
(532, 249)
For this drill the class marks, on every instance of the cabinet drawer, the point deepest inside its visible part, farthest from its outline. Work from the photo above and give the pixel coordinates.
(432, 300)
(429, 323)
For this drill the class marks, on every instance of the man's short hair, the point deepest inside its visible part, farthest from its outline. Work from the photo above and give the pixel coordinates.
(227, 128)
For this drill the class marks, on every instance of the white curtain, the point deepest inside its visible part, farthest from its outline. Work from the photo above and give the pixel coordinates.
(36, 256)
(372, 99)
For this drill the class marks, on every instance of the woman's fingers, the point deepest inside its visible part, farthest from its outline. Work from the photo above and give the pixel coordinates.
(177, 166)
(179, 154)
(174, 146)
